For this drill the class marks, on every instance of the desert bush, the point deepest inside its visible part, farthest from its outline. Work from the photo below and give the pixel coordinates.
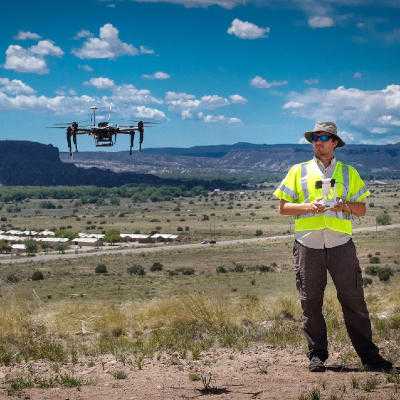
(384, 274)
(112, 236)
(366, 281)
(259, 232)
(372, 269)
(221, 269)
(31, 247)
(185, 270)
(101, 269)
(37, 276)
(383, 219)
(237, 267)
(12, 278)
(157, 266)
(374, 260)
(136, 269)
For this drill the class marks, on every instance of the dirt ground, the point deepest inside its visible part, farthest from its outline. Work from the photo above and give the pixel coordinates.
(260, 372)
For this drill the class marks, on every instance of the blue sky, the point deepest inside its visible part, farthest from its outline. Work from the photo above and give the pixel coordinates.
(212, 71)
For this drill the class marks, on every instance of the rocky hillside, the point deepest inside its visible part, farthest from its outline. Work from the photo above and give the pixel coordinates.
(35, 164)
(239, 160)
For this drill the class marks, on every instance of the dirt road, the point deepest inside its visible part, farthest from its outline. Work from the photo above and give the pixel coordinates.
(170, 247)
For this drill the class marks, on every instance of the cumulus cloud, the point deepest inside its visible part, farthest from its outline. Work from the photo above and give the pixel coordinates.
(148, 113)
(31, 59)
(247, 30)
(26, 35)
(159, 75)
(359, 110)
(126, 100)
(320, 22)
(237, 99)
(14, 87)
(83, 34)
(261, 83)
(107, 45)
(100, 83)
(189, 106)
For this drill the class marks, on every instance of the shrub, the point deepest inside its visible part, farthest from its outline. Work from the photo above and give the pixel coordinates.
(185, 270)
(12, 278)
(112, 236)
(5, 247)
(374, 260)
(238, 268)
(384, 274)
(157, 266)
(265, 268)
(372, 270)
(31, 247)
(383, 219)
(101, 269)
(366, 281)
(37, 276)
(221, 269)
(136, 269)
(259, 232)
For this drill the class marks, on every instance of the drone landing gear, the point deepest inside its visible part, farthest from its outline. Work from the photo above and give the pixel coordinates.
(132, 138)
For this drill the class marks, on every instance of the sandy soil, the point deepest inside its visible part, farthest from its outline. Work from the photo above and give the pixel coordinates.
(260, 372)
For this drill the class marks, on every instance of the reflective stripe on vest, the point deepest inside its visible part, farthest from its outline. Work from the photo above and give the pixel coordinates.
(336, 221)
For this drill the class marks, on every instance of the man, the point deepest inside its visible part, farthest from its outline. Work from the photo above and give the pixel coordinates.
(323, 194)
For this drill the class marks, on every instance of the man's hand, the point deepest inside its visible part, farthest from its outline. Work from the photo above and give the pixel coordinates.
(341, 206)
(317, 207)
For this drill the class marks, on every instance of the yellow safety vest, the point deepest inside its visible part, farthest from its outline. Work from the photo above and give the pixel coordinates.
(299, 186)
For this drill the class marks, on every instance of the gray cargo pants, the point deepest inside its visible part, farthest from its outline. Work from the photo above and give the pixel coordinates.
(311, 266)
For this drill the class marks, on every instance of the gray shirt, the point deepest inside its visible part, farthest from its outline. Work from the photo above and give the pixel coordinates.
(325, 237)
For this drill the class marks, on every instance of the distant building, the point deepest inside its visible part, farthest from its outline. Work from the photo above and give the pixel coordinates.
(164, 237)
(135, 237)
(87, 241)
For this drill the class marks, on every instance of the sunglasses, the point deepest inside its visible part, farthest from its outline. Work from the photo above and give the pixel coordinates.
(322, 138)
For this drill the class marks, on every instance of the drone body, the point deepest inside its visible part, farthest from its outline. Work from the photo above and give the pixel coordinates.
(103, 133)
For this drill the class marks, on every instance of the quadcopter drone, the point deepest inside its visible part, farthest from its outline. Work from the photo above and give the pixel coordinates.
(104, 133)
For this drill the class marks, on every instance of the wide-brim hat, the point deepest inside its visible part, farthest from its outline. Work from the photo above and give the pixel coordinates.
(326, 127)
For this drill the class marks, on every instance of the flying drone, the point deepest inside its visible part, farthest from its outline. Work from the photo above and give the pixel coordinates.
(104, 133)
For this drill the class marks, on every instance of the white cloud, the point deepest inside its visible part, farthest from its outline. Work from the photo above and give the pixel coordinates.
(126, 100)
(357, 75)
(83, 34)
(247, 30)
(209, 118)
(14, 87)
(26, 35)
(46, 48)
(320, 22)
(237, 99)
(228, 4)
(86, 68)
(352, 108)
(31, 59)
(145, 50)
(101, 83)
(292, 105)
(311, 81)
(148, 113)
(157, 75)
(378, 130)
(107, 45)
(261, 83)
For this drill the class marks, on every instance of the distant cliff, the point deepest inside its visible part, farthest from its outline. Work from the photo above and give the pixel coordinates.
(254, 161)
(34, 164)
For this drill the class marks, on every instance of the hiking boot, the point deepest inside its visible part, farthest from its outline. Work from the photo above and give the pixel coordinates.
(316, 365)
(378, 364)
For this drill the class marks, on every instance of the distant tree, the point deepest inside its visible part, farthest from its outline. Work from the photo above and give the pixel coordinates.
(31, 247)
(112, 236)
(66, 233)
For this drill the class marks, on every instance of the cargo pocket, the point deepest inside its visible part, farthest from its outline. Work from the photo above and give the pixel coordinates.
(297, 268)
